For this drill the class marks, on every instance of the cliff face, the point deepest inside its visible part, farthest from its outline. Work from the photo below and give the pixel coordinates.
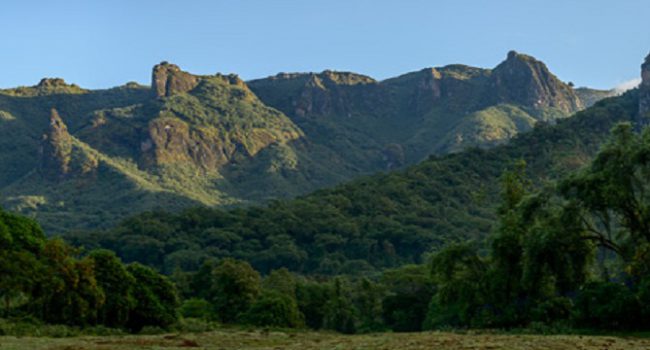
(60, 157)
(519, 80)
(208, 121)
(644, 94)
(170, 141)
(525, 81)
(56, 149)
(319, 94)
(167, 79)
(217, 140)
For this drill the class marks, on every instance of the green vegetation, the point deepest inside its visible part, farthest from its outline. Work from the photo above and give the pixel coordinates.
(46, 280)
(365, 256)
(561, 254)
(574, 253)
(217, 141)
(372, 223)
(276, 339)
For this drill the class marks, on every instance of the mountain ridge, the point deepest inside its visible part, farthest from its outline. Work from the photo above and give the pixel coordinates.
(220, 141)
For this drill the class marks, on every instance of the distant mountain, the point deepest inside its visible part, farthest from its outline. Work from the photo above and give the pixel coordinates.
(78, 158)
(434, 111)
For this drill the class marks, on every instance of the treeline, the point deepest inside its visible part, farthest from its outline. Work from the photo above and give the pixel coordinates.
(232, 292)
(370, 224)
(47, 280)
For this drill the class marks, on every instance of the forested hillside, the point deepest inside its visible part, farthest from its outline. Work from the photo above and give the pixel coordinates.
(373, 222)
(85, 159)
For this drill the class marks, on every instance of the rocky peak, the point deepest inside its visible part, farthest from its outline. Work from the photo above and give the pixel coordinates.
(56, 148)
(522, 79)
(331, 92)
(345, 78)
(168, 79)
(51, 83)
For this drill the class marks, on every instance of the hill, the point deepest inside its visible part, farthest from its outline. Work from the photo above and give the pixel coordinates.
(374, 222)
(85, 159)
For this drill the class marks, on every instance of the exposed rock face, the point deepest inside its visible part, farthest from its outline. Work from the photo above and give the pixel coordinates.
(172, 141)
(318, 94)
(455, 86)
(523, 80)
(519, 80)
(330, 92)
(52, 83)
(56, 148)
(644, 94)
(167, 79)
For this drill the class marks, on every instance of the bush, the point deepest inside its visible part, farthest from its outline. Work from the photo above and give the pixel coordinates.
(552, 310)
(152, 330)
(195, 308)
(195, 325)
(606, 305)
(275, 310)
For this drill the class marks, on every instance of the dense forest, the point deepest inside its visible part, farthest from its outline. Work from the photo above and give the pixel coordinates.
(372, 223)
(570, 253)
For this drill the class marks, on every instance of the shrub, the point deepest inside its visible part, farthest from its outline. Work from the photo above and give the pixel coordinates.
(606, 305)
(275, 310)
(195, 308)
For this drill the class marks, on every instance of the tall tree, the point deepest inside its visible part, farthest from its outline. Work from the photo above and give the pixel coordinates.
(235, 286)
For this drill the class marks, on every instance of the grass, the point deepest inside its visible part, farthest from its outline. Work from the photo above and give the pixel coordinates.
(256, 339)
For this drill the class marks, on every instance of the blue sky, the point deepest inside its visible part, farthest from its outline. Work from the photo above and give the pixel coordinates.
(99, 44)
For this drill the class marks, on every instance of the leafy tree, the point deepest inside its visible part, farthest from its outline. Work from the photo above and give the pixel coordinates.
(281, 281)
(19, 273)
(68, 292)
(340, 314)
(195, 308)
(275, 309)
(458, 273)
(612, 197)
(21, 232)
(235, 286)
(200, 285)
(409, 291)
(156, 299)
(117, 284)
(312, 300)
(368, 301)
(607, 305)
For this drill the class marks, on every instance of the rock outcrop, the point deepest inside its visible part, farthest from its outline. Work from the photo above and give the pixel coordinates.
(457, 86)
(525, 81)
(56, 149)
(52, 83)
(167, 79)
(644, 94)
(172, 141)
(213, 121)
(318, 94)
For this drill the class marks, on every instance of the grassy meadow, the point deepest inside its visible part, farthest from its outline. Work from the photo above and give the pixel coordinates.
(231, 339)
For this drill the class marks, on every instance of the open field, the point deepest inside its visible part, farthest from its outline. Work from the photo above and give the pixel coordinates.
(312, 340)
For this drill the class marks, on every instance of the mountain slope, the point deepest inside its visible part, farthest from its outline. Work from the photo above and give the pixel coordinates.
(148, 150)
(219, 141)
(372, 222)
(354, 114)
